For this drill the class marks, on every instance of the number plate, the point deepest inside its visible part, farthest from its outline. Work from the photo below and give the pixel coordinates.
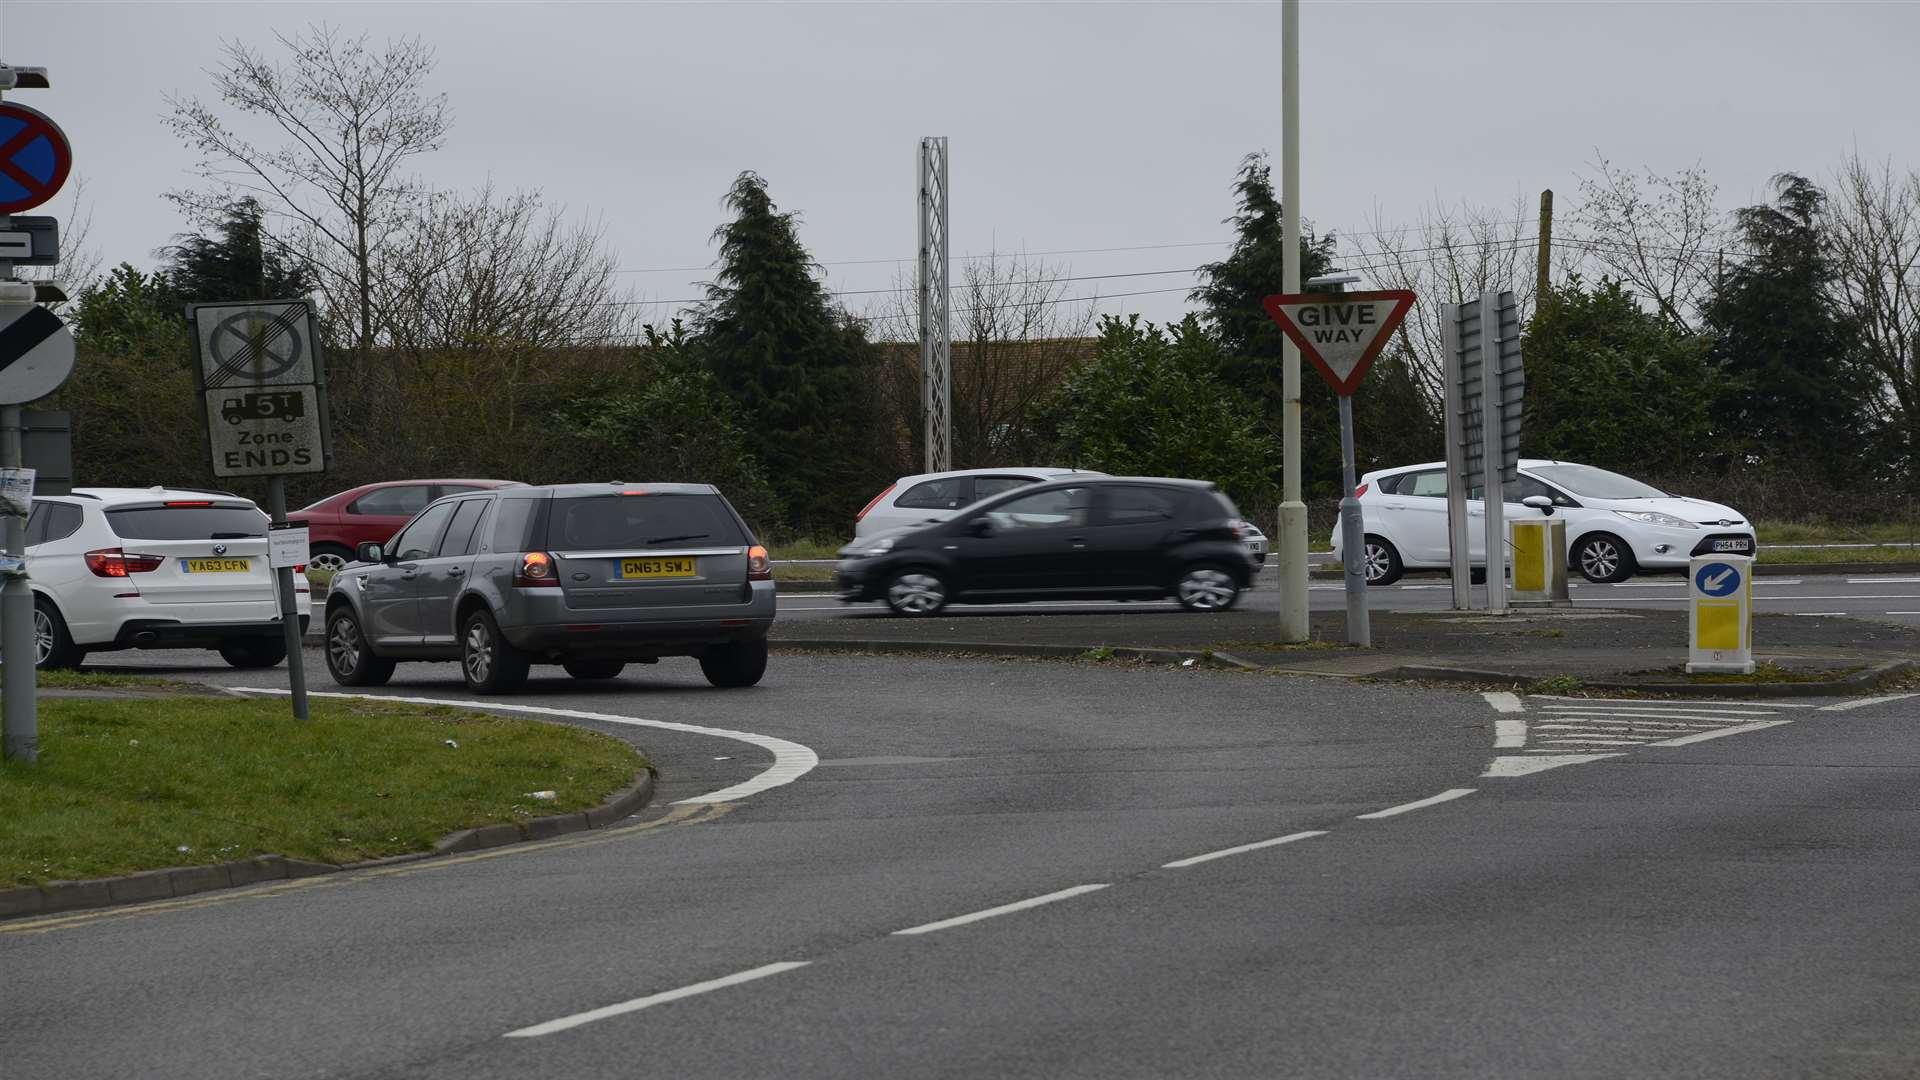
(216, 566)
(1731, 545)
(631, 569)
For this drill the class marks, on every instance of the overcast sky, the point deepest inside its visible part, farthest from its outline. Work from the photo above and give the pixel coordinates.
(1073, 125)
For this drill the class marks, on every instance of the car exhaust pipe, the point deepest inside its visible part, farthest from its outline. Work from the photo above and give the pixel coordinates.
(145, 637)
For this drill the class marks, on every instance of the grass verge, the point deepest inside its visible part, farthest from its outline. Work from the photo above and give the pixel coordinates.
(1827, 532)
(1818, 556)
(143, 784)
(71, 679)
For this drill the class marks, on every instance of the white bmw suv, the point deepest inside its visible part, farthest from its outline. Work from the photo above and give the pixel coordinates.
(153, 568)
(1615, 524)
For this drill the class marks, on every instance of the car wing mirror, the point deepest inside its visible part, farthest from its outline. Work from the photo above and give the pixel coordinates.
(371, 553)
(980, 526)
(1540, 503)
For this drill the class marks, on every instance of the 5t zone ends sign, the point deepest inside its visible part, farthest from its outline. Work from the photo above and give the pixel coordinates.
(1340, 333)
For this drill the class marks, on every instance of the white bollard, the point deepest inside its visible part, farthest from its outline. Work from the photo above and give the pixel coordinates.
(1720, 614)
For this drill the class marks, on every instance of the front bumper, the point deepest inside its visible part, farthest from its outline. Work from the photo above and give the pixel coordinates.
(1656, 548)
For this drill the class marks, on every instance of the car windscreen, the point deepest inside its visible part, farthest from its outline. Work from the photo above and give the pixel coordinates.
(187, 522)
(1592, 483)
(630, 522)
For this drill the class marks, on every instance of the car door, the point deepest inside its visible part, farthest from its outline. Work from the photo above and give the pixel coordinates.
(1414, 517)
(390, 598)
(1136, 526)
(1032, 543)
(442, 577)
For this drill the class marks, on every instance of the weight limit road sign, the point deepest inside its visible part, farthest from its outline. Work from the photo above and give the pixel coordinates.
(262, 387)
(35, 158)
(1340, 333)
(36, 353)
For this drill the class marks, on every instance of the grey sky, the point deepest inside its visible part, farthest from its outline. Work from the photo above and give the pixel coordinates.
(1073, 125)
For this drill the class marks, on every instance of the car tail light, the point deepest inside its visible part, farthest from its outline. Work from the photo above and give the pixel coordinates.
(190, 502)
(536, 571)
(759, 566)
(862, 515)
(113, 562)
(1361, 490)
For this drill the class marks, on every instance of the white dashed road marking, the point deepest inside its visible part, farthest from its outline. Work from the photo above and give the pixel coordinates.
(577, 1019)
(1241, 850)
(1446, 796)
(1003, 909)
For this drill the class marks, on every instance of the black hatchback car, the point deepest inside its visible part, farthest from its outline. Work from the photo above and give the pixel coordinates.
(1084, 538)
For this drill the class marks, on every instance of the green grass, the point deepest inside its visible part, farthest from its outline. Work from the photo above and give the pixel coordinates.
(138, 785)
(1826, 532)
(1819, 556)
(71, 679)
(319, 579)
(1769, 672)
(807, 549)
(802, 573)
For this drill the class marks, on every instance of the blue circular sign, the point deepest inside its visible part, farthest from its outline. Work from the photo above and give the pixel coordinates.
(34, 158)
(1718, 579)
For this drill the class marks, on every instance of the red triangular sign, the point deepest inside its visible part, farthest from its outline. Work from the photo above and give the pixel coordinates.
(1341, 332)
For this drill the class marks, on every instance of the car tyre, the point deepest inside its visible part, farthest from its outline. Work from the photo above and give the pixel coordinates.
(488, 661)
(594, 669)
(1604, 558)
(53, 645)
(916, 591)
(1206, 587)
(250, 653)
(350, 659)
(329, 558)
(1382, 565)
(736, 664)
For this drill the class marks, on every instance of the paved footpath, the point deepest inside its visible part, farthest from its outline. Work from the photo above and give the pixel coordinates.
(1041, 869)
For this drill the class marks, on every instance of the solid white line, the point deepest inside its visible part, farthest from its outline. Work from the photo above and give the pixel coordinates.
(1817, 614)
(1583, 721)
(1705, 735)
(1883, 581)
(1522, 766)
(1903, 612)
(1446, 796)
(1649, 585)
(1655, 704)
(1508, 734)
(1003, 909)
(791, 761)
(651, 1000)
(1656, 709)
(1595, 742)
(1502, 701)
(1863, 702)
(1196, 860)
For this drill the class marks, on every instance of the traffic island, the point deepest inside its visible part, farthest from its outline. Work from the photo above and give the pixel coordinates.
(147, 798)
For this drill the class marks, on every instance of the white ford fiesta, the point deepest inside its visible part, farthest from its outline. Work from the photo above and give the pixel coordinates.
(1615, 524)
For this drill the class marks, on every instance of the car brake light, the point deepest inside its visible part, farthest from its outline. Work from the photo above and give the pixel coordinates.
(636, 492)
(1361, 490)
(536, 571)
(113, 562)
(759, 566)
(862, 515)
(195, 502)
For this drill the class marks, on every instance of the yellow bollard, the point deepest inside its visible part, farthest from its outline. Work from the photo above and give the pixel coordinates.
(1720, 614)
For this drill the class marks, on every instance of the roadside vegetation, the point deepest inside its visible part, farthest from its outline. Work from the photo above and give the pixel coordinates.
(143, 784)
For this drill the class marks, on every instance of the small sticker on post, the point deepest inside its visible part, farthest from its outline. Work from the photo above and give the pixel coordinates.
(287, 544)
(16, 492)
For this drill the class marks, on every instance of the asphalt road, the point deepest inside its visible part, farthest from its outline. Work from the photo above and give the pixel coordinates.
(1887, 597)
(1039, 870)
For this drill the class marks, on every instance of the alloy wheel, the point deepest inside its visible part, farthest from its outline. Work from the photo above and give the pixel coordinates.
(343, 646)
(916, 593)
(1377, 562)
(42, 637)
(1206, 589)
(478, 655)
(1599, 559)
(327, 562)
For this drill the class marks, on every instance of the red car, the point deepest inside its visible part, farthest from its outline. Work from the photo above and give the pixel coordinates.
(371, 513)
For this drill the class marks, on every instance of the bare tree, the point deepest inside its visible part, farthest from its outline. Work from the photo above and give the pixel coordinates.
(346, 118)
(79, 263)
(1016, 335)
(1872, 221)
(1661, 235)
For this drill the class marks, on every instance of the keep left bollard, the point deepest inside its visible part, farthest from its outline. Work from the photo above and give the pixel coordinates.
(1720, 615)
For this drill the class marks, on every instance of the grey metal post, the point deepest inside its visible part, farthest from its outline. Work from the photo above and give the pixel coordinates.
(289, 613)
(1353, 535)
(1295, 624)
(17, 644)
(1459, 558)
(1492, 501)
(936, 328)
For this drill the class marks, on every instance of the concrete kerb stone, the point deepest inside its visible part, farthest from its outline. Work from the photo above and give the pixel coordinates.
(148, 885)
(1860, 682)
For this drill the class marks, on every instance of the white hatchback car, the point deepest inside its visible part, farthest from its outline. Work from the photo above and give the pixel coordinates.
(924, 497)
(1615, 524)
(153, 568)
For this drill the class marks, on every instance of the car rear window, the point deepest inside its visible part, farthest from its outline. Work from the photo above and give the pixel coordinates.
(187, 522)
(626, 522)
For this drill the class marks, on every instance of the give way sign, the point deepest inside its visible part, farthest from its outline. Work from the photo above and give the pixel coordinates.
(1340, 333)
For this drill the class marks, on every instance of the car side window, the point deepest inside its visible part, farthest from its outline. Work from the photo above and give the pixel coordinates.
(464, 528)
(403, 501)
(1050, 509)
(511, 522)
(1431, 484)
(986, 487)
(418, 540)
(445, 490)
(1131, 505)
(37, 523)
(1529, 487)
(62, 521)
(942, 494)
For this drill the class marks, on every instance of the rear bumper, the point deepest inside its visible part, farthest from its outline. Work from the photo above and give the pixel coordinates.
(172, 634)
(545, 626)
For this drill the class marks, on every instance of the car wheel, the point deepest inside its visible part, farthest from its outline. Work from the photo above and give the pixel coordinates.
(350, 659)
(1206, 587)
(916, 592)
(248, 653)
(594, 669)
(53, 647)
(1383, 565)
(329, 558)
(739, 663)
(1604, 558)
(488, 661)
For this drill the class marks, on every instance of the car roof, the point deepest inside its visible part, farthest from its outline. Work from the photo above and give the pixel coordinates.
(611, 487)
(156, 493)
(1103, 480)
(442, 480)
(1029, 470)
(1524, 463)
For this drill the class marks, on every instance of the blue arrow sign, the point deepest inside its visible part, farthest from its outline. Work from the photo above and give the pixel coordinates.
(1718, 579)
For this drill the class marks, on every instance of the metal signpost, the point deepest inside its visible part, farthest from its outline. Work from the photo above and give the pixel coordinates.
(36, 358)
(263, 387)
(936, 332)
(1485, 387)
(1341, 333)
